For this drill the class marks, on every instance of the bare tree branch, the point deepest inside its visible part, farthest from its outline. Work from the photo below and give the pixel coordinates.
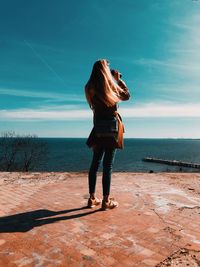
(21, 152)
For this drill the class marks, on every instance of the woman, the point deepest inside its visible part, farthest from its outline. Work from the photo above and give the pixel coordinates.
(103, 91)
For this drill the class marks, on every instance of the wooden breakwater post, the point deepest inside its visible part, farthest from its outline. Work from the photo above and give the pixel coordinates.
(173, 162)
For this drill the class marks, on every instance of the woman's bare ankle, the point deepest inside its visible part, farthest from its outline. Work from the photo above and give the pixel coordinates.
(92, 195)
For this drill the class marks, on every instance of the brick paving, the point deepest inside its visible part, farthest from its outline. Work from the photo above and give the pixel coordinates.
(44, 221)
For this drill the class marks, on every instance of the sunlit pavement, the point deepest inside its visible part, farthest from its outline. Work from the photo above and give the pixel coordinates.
(45, 222)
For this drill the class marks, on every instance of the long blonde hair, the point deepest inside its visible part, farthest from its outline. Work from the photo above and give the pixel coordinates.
(102, 85)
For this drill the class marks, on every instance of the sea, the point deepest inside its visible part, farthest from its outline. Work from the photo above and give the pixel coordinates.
(73, 155)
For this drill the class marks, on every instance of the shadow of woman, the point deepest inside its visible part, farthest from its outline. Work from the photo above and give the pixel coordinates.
(23, 222)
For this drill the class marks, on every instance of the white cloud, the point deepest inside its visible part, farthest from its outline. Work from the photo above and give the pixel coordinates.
(182, 50)
(41, 114)
(162, 111)
(41, 94)
(153, 110)
(173, 65)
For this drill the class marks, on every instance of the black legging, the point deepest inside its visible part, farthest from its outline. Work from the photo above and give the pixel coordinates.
(108, 159)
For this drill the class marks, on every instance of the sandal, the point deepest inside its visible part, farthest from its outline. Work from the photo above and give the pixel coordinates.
(93, 202)
(111, 204)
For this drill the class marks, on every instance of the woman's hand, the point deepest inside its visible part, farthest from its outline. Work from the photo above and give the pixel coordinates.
(116, 75)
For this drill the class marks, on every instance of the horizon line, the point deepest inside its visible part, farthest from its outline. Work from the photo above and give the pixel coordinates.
(195, 138)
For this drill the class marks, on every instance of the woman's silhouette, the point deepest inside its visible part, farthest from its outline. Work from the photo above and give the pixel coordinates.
(103, 91)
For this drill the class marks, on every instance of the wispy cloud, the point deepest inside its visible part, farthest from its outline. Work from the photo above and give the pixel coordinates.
(156, 110)
(153, 110)
(44, 95)
(181, 54)
(41, 114)
(172, 65)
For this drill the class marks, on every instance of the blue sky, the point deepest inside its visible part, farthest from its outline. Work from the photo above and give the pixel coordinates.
(47, 49)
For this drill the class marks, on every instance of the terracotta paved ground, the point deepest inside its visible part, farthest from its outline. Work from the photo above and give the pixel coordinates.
(44, 222)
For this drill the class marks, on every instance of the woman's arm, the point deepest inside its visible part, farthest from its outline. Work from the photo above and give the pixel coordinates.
(124, 93)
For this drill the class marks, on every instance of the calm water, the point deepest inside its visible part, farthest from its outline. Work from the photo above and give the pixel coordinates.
(72, 154)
